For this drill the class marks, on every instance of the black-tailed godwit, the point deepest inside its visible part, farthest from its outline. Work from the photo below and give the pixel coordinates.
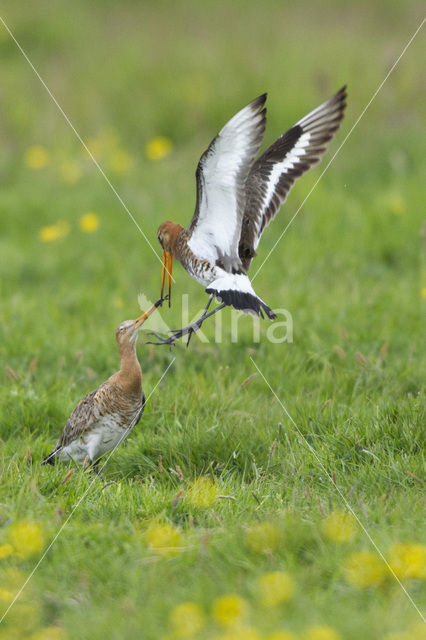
(107, 415)
(237, 197)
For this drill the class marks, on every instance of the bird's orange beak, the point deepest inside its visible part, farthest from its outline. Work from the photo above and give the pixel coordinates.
(167, 266)
(139, 321)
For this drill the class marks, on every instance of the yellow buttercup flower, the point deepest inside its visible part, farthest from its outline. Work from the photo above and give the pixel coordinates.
(202, 492)
(263, 537)
(397, 204)
(319, 632)
(280, 635)
(105, 140)
(120, 161)
(36, 157)
(96, 147)
(89, 223)
(418, 632)
(158, 148)
(164, 539)
(70, 171)
(24, 618)
(6, 550)
(275, 588)
(364, 569)
(424, 293)
(187, 619)
(229, 610)
(26, 538)
(54, 232)
(339, 526)
(408, 560)
(118, 302)
(6, 595)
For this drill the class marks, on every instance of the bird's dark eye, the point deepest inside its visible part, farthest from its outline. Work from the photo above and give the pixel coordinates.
(121, 329)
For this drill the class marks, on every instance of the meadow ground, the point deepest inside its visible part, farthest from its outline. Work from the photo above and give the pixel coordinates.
(226, 518)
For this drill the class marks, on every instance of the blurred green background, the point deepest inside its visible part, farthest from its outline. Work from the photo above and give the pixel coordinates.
(215, 491)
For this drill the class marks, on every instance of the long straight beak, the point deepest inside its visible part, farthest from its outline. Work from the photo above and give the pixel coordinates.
(167, 266)
(139, 321)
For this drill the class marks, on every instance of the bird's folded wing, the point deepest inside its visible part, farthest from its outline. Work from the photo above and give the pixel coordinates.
(85, 415)
(221, 175)
(274, 172)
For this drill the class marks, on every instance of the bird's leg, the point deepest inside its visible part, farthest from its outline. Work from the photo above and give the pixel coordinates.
(191, 331)
(185, 330)
(94, 467)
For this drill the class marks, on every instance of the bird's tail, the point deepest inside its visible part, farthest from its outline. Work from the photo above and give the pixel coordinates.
(235, 290)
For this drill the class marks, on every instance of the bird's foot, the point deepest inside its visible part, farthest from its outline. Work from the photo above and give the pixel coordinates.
(176, 334)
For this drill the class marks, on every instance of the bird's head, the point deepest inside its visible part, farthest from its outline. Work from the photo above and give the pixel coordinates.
(167, 236)
(127, 331)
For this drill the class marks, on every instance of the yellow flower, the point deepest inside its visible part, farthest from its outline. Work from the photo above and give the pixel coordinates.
(106, 139)
(120, 161)
(164, 539)
(418, 632)
(229, 610)
(36, 157)
(118, 302)
(24, 618)
(49, 633)
(26, 538)
(339, 526)
(263, 537)
(6, 550)
(202, 492)
(319, 632)
(424, 293)
(96, 147)
(54, 232)
(364, 569)
(274, 588)
(158, 148)
(241, 633)
(187, 619)
(408, 560)
(89, 223)
(6, 595)
(70, 171)
(280, 635)
(397, 204)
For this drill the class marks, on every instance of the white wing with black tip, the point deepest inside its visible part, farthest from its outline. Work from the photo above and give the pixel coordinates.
(274, 172)
(221, 175)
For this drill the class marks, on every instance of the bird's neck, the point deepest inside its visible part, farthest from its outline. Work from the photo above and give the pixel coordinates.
(130, 374)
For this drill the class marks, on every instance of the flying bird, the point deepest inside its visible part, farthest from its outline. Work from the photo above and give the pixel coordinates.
(237, 197)
(107, 415)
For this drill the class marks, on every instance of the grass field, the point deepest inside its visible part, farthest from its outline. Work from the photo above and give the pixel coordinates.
(226, 519)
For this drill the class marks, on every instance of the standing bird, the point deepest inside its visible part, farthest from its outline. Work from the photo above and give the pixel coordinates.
(107, 415)
(237, 197)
